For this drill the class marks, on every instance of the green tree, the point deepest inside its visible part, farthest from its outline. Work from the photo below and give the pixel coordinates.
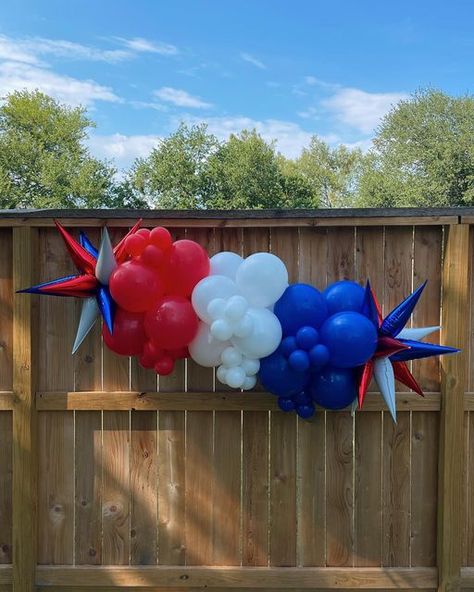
(423, 154)
(174, 175)
(332, 173)
(43, 160)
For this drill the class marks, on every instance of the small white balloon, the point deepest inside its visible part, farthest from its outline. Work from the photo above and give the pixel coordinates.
(216, 308)
(231, 357)
(249, 383)
(235, 377)
(235, 308)
(265, 337)
(210, 288)
(250, 366)
(221, 330)
(204, 349)
(225, 263)
(244, 327)
(262, 279)
(222, 374)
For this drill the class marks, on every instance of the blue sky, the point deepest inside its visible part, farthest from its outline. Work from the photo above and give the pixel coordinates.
(290, 69)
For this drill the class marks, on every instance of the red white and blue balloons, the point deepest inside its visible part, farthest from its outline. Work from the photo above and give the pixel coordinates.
(162, 300)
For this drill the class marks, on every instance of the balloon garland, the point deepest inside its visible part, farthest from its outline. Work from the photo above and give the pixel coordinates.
(162, 300)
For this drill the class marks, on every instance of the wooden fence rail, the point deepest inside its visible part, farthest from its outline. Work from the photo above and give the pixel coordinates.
(111, 478)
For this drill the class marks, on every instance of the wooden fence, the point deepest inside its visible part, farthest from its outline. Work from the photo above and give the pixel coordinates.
(110, 478)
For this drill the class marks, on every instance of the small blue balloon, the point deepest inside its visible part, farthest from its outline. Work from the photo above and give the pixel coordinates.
(301, 305)
(303, 398)
(351, 339)
(307, 337)
(333, 388)
(318, 356)
(286, 404)
(305, 411)
(288, 346)
(299, 360)
(344, 296)
(277, 376)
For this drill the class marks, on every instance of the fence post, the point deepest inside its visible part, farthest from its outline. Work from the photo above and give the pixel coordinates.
(455, 330)
(24, 413)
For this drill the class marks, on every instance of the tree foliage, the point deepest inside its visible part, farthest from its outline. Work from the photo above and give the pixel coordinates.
(423, 154)
(43, 160)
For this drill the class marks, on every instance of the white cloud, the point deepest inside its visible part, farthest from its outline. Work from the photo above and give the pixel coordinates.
(359, 109)
(247, 57)
(180, 98)
(19, 76)
(122, 149)
(145, 46)
(16, 52)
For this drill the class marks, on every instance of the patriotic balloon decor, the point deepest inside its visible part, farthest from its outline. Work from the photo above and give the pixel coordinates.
(162, 300)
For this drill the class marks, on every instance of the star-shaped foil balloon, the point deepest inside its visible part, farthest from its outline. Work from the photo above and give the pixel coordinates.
(92, 283)
(396, 345)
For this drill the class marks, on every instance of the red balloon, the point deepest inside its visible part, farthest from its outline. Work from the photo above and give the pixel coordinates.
(150, 355)
(171, 323)
(145, 232)
(153, 256)
(135, 287)
(188, 265)
(164, 366)
(135, 244)
(178, 354)
(128, 338)
(161, 238)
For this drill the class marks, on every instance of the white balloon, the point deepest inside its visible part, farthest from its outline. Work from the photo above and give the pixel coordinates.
(231, 357)
(235, 377)
(221, 330)
(209, 288)
(235, 308)
(204, 349)
(249, 383)
(225, 263)
(216, 308)
(244, 327)
(222, 374)
(250, 366)
(385, 379)
(262, 279)
(265, 337)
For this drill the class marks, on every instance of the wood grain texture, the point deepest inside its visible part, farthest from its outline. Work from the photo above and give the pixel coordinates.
(453, 384)
(6, 474)
(469, 489)
(313, 254)
(368, 490)
(424, 480)
(339, 489)
(311, 486)
(255, 505)
(396, 491)
(143, 488)
(88, 488)
(116, 488)
(226, 503)
(282, 489)
(25, 470)
(6, 310)
(248, 577)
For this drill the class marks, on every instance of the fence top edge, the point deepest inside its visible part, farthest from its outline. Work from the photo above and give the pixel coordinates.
(269, 214)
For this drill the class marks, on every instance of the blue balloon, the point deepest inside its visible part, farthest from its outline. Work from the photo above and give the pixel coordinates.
(394, 322)
(302, 398)
(333, 388)
(286, 404)
(318, 356)
(305, 411)
(351, 339)
(421, 349)
(344, 296)
(301, 305)
(288, 346)
(299, 360)
(307, 337)
(279, 378)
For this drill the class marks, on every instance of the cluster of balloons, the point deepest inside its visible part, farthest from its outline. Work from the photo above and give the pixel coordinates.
(162, 300)
(154, 318)
(237, 327)
(325, 337)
